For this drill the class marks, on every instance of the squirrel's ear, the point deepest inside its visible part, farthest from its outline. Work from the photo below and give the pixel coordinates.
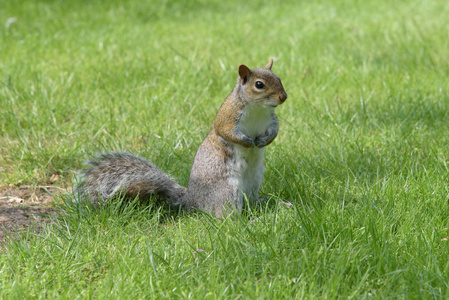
(270, 64)
(244, 72)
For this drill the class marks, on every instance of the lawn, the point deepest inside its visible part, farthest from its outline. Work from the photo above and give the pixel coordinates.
(362, 153)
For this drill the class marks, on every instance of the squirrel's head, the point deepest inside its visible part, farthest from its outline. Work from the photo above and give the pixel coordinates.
(261, 86)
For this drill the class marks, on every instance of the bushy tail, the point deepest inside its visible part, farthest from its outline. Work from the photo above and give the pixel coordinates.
(124, 174)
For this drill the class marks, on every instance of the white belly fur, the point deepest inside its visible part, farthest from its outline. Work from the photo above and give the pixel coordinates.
(247, 164)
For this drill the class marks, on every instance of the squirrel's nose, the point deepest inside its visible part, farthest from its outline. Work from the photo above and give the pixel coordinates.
(283, 97)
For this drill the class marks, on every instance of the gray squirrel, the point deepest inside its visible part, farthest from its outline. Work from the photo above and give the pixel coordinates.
(227, 167)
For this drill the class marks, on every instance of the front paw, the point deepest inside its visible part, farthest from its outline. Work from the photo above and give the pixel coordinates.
(250, 143)
(245, 141)
(261, 141)
(266, 139)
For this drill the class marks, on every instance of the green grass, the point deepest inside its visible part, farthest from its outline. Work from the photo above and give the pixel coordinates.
(362, 153)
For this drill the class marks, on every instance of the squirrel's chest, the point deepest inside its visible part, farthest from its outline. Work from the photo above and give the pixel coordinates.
(246, 170)
(255, 120)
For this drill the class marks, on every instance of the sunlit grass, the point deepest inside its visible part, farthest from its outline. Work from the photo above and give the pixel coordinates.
(362, 152)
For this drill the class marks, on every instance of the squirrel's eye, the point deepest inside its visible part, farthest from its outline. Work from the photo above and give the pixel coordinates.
(259, 85)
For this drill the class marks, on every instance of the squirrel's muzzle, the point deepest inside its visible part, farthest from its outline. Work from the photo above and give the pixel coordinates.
(282, 97)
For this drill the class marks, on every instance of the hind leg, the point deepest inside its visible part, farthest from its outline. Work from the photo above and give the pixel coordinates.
(229, 199)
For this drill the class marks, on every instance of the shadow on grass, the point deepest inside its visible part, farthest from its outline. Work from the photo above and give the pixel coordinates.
(119, 210)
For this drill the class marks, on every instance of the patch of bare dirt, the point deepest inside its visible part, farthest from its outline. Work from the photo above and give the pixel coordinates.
(24, 206)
